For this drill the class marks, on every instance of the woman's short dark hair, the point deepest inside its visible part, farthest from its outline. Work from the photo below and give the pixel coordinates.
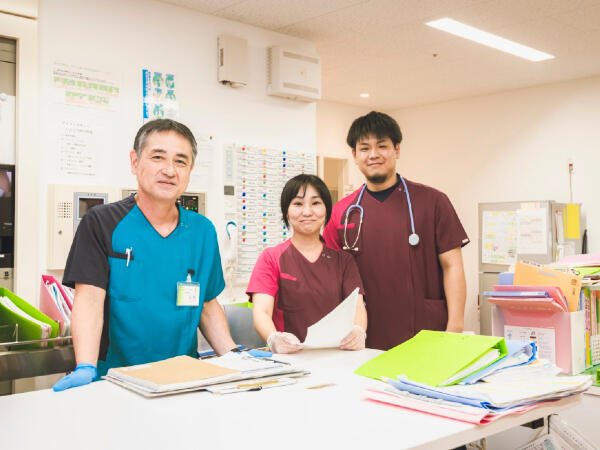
(376, 124)
(295, 184)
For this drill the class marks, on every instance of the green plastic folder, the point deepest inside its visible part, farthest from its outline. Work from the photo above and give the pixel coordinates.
(432, 357)
(28, 330)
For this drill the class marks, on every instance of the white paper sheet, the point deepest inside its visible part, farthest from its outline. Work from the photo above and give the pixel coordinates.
(532, 231)
(335, 326)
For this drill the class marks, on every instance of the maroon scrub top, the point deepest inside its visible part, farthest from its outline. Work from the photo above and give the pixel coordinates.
(404, 291)
(304, 291)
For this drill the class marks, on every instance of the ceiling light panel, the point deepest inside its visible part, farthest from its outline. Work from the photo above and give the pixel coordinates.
(489, 39)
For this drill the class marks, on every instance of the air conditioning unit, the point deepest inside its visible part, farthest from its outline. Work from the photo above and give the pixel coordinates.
(293, 74)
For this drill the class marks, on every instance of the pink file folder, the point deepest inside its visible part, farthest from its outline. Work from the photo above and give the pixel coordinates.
(47, 304)
(50, 279)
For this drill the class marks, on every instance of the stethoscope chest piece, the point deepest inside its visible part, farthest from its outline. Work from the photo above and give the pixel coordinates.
(413, 239)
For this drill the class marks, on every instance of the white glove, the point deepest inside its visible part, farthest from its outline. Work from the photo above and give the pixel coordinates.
(280, 342)
(355, 340)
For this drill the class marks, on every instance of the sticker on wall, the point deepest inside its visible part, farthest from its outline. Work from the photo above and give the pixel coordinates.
(159, 97)
(75, 85)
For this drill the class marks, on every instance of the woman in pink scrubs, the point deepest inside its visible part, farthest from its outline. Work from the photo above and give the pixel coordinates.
(296, 283)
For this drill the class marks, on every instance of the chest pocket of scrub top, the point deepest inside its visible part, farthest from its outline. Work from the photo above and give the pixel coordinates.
(292, 293)
(126, 279)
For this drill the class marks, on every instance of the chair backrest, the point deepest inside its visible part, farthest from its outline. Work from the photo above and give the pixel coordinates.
(241, 326)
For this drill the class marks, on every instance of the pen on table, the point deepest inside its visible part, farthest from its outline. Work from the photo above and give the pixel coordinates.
(259, 385)
(320, 386)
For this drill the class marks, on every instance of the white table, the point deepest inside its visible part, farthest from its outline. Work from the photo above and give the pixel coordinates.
(105, 416)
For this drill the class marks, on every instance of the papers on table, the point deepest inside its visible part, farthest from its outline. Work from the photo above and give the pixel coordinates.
(335, 326)
(185, 374)
(250, 385)
(438, 407)
(515, 389)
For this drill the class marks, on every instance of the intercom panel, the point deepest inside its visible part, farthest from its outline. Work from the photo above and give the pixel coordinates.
(67, 204)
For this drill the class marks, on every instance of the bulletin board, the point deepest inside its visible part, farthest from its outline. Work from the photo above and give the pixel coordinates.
(260, 176)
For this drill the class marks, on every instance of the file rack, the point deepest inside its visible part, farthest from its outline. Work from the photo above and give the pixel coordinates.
(18, 360)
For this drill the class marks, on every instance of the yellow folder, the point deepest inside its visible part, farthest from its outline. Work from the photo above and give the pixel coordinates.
(434, 357)
(532, 275)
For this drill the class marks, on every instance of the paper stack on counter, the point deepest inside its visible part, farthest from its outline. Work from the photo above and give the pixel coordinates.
(512, 390)
(185, 374)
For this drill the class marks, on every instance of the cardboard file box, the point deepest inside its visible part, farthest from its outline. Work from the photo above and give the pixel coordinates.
(568, 328)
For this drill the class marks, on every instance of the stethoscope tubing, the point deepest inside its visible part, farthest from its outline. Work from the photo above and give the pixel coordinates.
(413, 239)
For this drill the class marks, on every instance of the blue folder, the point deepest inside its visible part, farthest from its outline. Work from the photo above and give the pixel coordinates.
(513, 347)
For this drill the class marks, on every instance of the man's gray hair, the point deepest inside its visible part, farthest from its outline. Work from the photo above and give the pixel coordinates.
(160, 125)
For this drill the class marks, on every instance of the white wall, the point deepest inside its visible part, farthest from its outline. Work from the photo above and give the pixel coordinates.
(124, 37)
(333, 123)
(504, 147)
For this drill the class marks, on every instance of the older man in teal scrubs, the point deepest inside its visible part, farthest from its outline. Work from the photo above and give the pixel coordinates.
(146, 271)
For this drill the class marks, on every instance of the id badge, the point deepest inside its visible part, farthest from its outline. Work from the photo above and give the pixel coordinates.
(188, 293)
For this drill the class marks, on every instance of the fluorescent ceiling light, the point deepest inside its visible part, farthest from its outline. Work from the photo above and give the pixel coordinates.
(489, 39)
(364, 95)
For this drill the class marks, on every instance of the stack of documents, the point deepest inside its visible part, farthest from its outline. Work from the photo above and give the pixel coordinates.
(31, 324)
(549, 298)
(436, 358)
(56, 301)
(514, 384)
(185, 374)
(506, 392)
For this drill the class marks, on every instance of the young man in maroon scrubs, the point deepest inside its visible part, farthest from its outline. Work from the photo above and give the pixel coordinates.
(411, 267)
(296, 283)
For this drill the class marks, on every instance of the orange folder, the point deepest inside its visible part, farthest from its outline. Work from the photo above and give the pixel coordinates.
(532, 275)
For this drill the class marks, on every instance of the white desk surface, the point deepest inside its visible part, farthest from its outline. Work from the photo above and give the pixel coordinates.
(103, 415)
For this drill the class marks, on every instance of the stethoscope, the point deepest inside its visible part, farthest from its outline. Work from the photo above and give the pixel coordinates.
(413, 239)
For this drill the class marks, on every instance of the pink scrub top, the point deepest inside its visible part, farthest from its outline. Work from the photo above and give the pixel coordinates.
(304, 291)
(404, 291)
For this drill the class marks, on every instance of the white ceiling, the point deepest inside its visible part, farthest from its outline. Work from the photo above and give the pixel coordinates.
(383, 47)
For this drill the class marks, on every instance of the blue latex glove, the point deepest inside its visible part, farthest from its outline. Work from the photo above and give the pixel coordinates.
(83, 374)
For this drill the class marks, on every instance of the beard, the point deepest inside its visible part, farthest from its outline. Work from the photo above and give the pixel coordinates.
(377, 179)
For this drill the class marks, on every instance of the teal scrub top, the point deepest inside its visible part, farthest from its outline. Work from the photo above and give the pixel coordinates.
(142, 320)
